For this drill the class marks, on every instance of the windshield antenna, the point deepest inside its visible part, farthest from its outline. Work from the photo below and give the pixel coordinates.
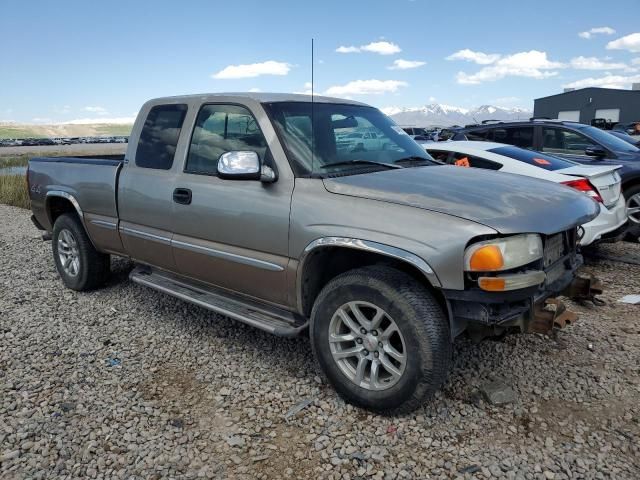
(313, 136)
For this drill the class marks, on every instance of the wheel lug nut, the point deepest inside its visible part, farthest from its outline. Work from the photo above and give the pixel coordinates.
(366, 352)
(358, 340)
(374, 333)
(380, 344)
(363, 331)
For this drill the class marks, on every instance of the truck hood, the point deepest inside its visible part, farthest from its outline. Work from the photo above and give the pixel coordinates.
(502, 201)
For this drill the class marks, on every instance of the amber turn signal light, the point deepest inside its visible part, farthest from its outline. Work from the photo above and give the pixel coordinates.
(486, 259)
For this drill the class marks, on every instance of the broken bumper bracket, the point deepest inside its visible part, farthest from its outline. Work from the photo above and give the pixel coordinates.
(552, 312)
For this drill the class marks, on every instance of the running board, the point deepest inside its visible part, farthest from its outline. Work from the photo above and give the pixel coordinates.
(265, 317)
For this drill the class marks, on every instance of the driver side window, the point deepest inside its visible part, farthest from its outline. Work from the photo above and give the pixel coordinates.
(220, 129)
(556, 140)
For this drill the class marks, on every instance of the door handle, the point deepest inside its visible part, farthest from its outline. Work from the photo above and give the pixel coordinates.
(182, 195)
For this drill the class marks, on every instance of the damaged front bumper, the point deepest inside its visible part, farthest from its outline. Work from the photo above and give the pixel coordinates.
(533, 310)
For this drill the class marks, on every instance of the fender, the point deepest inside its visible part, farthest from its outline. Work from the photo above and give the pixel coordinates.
(367, 246)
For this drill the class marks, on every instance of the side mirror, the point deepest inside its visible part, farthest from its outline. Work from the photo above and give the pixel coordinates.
(244, 165)
(595, 151)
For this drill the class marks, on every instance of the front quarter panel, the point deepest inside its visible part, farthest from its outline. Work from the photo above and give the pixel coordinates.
(436, 238)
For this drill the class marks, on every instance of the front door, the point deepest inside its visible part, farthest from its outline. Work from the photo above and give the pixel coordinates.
(568, 144)
(233, 233)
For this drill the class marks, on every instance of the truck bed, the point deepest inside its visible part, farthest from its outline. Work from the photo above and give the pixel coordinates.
(90, 180)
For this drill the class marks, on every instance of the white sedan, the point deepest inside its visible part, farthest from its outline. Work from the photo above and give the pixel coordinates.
(600, 183)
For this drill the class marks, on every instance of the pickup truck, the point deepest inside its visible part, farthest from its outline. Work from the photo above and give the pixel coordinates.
(243, 204)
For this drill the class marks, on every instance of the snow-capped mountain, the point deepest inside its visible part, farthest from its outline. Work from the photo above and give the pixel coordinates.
(437, 114)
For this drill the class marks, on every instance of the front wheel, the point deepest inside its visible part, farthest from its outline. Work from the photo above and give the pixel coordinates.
(80, 265)
(381, 339)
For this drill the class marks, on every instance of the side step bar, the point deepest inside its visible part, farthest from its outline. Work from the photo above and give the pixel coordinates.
(265, 317)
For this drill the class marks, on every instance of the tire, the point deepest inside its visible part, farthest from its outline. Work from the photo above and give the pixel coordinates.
(632, 196)
(424, 338)
(88, 268)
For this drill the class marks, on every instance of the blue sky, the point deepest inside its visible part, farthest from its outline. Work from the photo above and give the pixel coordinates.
(70, 60)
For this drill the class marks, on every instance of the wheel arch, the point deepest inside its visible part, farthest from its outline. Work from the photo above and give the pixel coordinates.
(58, 202)
(326, 257)
(631, 182)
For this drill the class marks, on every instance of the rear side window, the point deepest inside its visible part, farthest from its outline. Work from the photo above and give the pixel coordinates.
(159, 136)
(478, 135)
(220, 129)
(465, 160)
(537, 159)
(519, 136)
(440, 155)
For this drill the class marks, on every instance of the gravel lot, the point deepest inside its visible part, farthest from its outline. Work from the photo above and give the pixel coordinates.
(128, 383)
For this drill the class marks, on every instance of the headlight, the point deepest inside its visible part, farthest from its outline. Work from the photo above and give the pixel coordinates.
(503, 253)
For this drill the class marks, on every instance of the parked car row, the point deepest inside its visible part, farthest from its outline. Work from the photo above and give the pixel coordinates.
(324, 218)
(30, 142)
(571, 141)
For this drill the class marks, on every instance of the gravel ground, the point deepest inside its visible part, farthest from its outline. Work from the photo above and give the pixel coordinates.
(125, 382)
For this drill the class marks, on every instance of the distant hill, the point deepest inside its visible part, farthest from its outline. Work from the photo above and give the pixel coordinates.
(18, 130)
(441, 115)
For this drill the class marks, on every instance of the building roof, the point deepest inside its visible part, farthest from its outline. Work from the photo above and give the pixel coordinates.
(625, 91)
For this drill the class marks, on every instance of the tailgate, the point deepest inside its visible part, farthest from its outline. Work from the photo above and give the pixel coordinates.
(605, 179)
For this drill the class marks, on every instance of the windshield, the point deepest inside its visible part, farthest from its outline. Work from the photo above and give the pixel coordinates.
(607, 140)
(346, 139)
(536, 159)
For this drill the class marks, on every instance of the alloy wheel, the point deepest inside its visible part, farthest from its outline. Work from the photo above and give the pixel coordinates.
(367, 345)
(68, 252)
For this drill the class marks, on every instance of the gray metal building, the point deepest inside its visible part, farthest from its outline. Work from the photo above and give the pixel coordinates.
(585, 104)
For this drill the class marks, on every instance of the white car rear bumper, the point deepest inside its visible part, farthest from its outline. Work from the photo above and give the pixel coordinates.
(607, 221)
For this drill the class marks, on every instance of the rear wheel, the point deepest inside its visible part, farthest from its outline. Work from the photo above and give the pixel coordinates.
(80, 266)
(632, 196)
(381, 339)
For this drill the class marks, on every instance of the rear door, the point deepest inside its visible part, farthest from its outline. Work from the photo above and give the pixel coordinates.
(233, 234)
(145, 206)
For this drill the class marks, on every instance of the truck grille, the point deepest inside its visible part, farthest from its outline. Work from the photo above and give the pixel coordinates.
(557, 248)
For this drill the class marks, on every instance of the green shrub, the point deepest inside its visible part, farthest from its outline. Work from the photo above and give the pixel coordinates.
(13, 191)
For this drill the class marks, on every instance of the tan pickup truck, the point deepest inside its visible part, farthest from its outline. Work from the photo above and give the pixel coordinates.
(270, 209)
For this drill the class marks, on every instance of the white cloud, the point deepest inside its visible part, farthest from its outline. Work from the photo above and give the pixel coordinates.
(405, 64)
(629, 42)
(82, 121)
(596, 31)
(476, 57)
(593, 63)
(635, 61)
(255, 90)
(306, 89)
(350, 49)
(96, 109)
(41, 120)
(366, 87)
(532, 64)
(270, 67)
(608, 81)
(382, 47)
(432, 99)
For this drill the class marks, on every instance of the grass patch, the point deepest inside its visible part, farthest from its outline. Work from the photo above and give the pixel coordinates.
(13, 191)
(14, 161)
